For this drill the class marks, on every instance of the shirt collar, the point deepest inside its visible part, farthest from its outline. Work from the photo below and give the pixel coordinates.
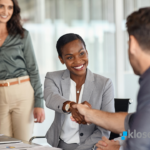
(144, 75)
(72, 82)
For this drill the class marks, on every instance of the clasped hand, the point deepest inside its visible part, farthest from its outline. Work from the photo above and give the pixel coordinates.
(76, 116)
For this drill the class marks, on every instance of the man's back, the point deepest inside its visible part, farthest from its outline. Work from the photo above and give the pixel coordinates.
(139, 133)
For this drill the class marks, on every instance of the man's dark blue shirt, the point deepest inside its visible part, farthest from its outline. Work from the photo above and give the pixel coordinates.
(139, 122)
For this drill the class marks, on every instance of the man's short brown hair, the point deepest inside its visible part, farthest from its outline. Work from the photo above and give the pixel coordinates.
(138, 25)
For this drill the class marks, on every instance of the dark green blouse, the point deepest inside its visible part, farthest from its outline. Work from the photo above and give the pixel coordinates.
(17, 59)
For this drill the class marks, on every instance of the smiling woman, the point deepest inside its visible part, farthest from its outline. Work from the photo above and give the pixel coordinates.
(76, 84)
(6, 10)
(11, 16)
(21, 98)
(75, 57)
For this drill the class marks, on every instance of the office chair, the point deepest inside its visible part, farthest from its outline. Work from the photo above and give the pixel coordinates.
(36, 137)
(121, 105)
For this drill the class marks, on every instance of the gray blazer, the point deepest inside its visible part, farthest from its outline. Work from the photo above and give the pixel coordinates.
(98, 91)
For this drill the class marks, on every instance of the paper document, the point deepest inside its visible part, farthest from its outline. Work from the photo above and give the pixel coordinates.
(6, 139)
(44, 148)
(22, 146)
(15, 146)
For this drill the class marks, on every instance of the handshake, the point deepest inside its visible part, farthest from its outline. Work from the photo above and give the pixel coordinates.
(69, 106)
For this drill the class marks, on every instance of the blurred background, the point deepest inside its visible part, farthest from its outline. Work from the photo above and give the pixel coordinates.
(101, 23)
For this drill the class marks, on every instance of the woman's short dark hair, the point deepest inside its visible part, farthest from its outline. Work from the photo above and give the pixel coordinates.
(138, 25)
(14, 26)
(63, 40)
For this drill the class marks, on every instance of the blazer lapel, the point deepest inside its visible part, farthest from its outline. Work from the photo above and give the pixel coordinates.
(65, 84)
(88, 86)
(88, 89)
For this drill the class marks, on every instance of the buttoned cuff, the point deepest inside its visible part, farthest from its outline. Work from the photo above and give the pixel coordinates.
(39, 103)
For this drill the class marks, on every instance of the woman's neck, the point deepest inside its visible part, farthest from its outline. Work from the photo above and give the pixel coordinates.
(3, 28)
(78, 79)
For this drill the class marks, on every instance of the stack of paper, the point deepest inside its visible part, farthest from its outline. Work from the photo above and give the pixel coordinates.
(6, 139)
(22, 146)
(7, 143)
(45, 148)
(15, 146)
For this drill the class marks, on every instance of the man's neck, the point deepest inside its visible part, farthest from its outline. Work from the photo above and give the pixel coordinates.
(144, 63)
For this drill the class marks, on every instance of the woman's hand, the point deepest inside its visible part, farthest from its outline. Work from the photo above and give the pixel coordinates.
(85, 105)
(39, 115)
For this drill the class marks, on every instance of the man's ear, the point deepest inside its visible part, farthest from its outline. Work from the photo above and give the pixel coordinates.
(61, 60)
(134, 45)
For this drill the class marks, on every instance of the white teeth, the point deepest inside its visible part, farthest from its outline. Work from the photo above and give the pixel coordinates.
(78, 67)
(4, 16)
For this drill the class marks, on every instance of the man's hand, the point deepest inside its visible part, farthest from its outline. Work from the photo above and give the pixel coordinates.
(76, 115)
(106, 144)
(82, 108)
(39, 115)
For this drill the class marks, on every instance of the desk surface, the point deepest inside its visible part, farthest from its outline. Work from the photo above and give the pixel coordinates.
(31, 143)
(11, 139)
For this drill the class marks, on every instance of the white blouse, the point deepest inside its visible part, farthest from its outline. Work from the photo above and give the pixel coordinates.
(70, 130)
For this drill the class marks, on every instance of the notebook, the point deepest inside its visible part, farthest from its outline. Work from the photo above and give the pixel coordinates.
(5, 139)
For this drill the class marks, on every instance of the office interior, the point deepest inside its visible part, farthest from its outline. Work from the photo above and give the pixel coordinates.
(101, 23)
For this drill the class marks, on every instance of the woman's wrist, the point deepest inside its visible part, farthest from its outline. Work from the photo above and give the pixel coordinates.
(67, 105)
(64, 105)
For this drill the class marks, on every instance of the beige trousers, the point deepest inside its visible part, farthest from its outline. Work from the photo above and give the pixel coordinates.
(16, 109)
